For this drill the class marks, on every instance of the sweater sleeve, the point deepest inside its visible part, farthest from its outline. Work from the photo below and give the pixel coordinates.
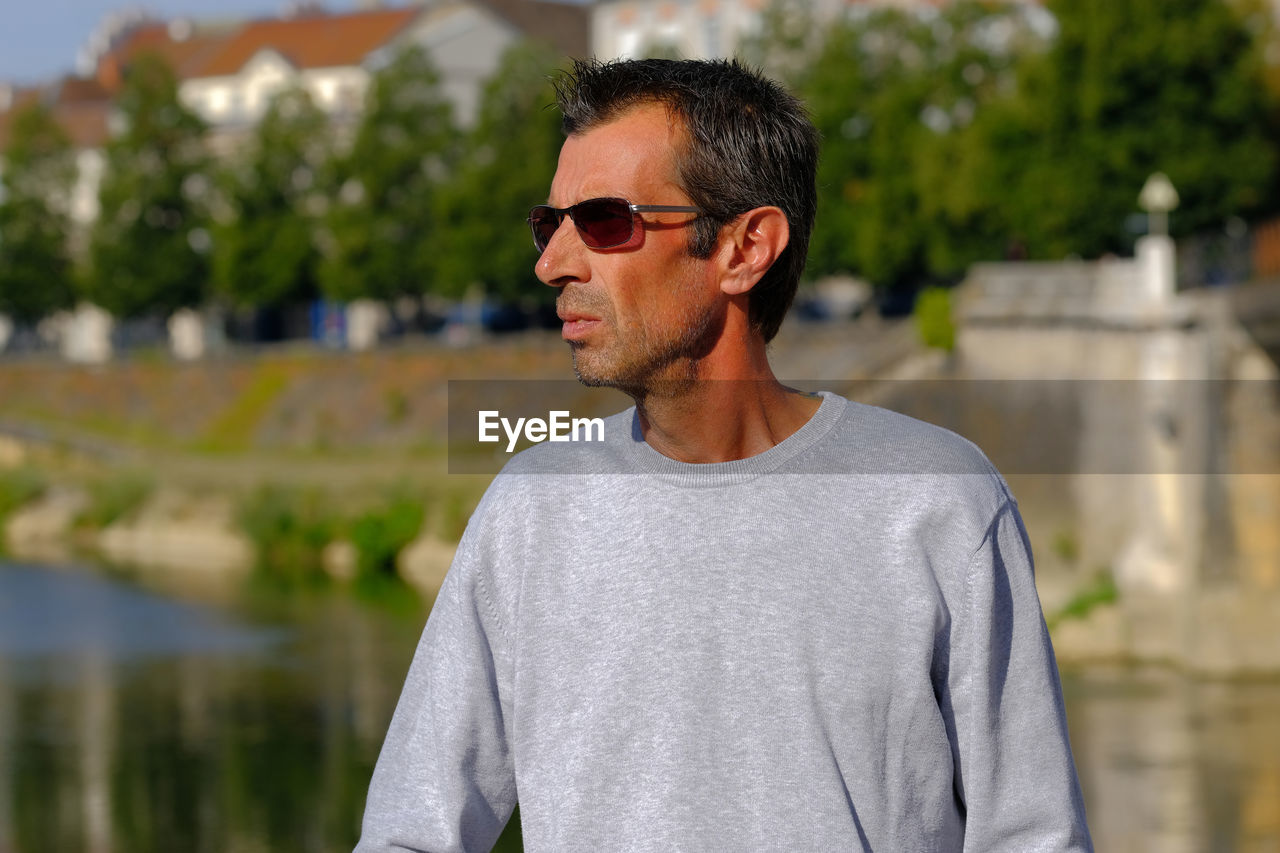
(1014, 771)
(444, 780)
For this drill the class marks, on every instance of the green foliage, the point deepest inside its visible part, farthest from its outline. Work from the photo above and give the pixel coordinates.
(289, 528)
(35, 190)
(933, 318)
(1066, 546)
(512, 153)
(147, 250)
(662, 50)
(891, 93)
(382, 235)
(397, 404)
(265, 254)
(113, 498)
(1127, 89)
(512, 839)
(382, 532)
(978, 132)
(19, 487)
(235, 427)
(1100, 591)
(783, 46)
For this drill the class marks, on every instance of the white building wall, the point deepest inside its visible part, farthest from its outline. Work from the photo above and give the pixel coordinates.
(466, 44)
(90, 164)
(337, 91)
(706, 29)
(242, 99)
(698, 29)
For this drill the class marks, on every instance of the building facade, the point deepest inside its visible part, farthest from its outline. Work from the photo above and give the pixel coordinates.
(228, 71)
(708, 29)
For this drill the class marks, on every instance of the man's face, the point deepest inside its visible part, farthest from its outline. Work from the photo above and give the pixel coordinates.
(645, 311)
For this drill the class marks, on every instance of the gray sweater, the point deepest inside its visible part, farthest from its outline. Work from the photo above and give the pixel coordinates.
(833, 645)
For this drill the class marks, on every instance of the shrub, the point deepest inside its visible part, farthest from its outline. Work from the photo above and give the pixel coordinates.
(1066, 547)
(933, 318)
(19, 487)
(289, 528)
(1101, 590)
(380, 534)
(114, 498)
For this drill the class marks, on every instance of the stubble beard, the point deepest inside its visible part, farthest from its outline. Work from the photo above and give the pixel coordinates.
(642, 368)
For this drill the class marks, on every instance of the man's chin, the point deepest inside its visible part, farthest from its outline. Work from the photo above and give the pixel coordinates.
(595, 375)
(589, 374)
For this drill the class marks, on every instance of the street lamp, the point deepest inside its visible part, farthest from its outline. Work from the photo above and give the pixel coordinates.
(1157, 198)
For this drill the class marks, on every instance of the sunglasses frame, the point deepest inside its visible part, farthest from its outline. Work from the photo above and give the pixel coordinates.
(561, 212)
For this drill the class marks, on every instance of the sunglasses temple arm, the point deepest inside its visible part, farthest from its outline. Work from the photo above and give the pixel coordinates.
(664, 208)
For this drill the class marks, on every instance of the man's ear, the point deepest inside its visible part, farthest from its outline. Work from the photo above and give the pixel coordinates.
(749, 246)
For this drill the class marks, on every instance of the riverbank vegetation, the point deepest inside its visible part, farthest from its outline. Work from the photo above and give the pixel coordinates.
(317, 464)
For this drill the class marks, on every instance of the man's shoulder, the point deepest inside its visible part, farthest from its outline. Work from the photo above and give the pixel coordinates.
(869, 439)
(882, 458)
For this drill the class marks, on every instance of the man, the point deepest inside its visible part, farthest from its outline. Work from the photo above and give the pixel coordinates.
(754, 619)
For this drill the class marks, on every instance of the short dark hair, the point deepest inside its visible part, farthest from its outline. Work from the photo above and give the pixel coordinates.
(750, 143)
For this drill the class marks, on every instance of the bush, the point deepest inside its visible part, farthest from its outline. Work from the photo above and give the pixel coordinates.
(1100, 590)
(381, 533)
(112, 499)
(933, 318)
(18, 488)
(289, 528)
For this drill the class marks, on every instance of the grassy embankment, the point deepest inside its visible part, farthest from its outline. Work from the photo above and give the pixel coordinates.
(306, 447)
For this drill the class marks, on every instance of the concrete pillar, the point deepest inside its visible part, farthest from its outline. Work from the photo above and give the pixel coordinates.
(366, 320)
(85, 335)
(1156, 255)
(186, 335)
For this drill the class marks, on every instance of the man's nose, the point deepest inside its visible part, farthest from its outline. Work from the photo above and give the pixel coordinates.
(564, 259)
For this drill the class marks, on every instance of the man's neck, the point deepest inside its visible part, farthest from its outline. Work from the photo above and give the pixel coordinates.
(718, 420)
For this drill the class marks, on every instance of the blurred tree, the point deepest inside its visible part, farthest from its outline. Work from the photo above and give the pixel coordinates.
(512, 153)
(1128, 88)
(661, 49)
(40, 170)
(382, 237)
(265, 252)
(787, 42)
(148, 249)
(891, 93)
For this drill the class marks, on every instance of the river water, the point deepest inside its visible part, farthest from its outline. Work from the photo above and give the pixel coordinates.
(136, 719)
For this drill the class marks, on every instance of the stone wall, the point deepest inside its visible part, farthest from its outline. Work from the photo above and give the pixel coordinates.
(1176, 475)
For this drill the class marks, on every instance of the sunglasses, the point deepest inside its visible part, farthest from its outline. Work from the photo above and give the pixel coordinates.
(603, 223)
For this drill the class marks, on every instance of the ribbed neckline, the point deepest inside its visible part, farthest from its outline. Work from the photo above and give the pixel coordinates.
(644, 459)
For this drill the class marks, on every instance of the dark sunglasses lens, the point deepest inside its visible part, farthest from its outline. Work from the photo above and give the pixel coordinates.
(604, 222)
(543, 222)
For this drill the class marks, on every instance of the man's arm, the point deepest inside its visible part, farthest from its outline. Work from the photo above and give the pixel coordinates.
(444, 780)
(1015, 774)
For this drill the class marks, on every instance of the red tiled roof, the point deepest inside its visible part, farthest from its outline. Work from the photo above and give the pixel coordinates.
(78, 90)
(322, 41)
(85, 123)
(80, 107)
(187, 56)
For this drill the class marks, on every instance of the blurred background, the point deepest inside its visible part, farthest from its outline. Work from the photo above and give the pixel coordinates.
(241, 258)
